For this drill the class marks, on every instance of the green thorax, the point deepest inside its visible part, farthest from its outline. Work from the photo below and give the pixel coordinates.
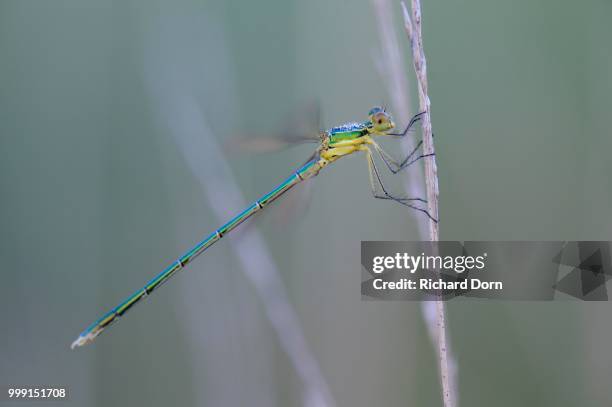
(348, 131)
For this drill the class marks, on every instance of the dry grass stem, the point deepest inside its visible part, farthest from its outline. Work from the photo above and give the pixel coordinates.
(412, 24)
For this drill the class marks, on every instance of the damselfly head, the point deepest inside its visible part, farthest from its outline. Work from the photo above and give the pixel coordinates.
(381, 120)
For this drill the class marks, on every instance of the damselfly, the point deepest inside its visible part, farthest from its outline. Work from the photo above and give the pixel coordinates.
(334, 143)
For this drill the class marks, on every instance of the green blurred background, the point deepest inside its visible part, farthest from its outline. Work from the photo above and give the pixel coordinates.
(98, 194)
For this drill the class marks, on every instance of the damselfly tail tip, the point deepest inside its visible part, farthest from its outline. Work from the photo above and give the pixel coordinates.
(82, 340)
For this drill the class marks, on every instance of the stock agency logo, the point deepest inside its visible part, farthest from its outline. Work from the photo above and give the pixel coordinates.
(494, 270)
(444, 264)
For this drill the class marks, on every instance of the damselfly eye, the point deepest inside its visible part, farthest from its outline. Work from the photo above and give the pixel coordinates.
(381, 121)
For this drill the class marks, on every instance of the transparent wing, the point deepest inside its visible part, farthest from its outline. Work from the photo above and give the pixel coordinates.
(302, 126)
